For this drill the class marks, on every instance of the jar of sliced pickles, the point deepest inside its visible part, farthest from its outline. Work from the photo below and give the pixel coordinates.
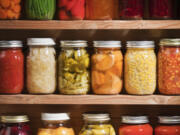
(140, 68)
(107, 66)
(97, 124)
(73, 65)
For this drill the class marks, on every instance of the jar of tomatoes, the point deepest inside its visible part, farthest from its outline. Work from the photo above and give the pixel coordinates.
(169, 125)
(169, 67)
(11, 67)
(135, 125)
(107, 67)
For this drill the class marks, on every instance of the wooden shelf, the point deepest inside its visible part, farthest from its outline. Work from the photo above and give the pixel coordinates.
(104, 25)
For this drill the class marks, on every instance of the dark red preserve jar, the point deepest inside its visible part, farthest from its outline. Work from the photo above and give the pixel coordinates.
(11, 67)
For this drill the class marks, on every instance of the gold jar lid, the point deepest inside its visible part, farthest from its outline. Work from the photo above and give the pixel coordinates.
(14, 119)
(170, 42)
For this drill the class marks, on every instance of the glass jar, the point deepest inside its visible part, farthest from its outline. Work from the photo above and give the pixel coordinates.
(140, 68)
(135, 125)
(131, 9)
(71, 10)
(169, 125)
(101, 9)
(73, 62)
(15, 125)
(107, 67)
(160, 9)
(11, 67)
(169, 66)
(55, 124)
(41, 66)
(97, 124)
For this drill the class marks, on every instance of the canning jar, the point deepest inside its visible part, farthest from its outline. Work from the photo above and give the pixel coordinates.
(11, 67)
(107, 67)
(131, 9)
(168, 125)
(71, 10)
(73, 62)
(15, 125)
(55, 124)
(41, 66)
(169, 66)
(97, 124)
(140, 68)
(101, 9)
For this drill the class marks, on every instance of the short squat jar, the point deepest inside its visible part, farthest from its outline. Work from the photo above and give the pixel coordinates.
(41, 66)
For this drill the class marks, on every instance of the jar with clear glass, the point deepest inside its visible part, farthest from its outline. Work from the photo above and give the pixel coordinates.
(107, 67)
(41, 66)
(140, 68)
(97, 124)
(73, 68)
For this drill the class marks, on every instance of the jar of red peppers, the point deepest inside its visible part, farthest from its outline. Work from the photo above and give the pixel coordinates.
(12, 67)
(169, 66)
(135, 125)
(169, 125)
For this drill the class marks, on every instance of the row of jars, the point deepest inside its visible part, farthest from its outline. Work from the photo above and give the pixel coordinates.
(86, 9)
(94, 124)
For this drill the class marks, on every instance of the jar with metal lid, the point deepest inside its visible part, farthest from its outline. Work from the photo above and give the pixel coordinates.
(73, 63)
(41, 66)
(11, 67)
(140, 68)
(168, 125)
(169, 67)
(97, 124)
(135, 125)
(107, 67)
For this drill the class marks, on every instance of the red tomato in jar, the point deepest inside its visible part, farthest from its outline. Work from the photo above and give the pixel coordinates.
(167, 130)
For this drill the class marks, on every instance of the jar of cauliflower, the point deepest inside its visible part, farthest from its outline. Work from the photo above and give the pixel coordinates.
(140, 68)
(41, 66)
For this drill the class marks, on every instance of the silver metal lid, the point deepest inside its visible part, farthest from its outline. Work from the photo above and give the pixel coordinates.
(55, 116)
(11, 44)
(169, 119)
(96, 117)
(14, 119)
(140, 44)
(135, 119)
(170, 42)
(73, 43)
(106, 44)
(40, 42)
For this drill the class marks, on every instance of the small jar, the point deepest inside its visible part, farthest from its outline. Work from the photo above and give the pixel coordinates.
(140, 68)
(41, 66)
(97, 124)
(135, 125)
(169, 125)
(73, 62)
(11, 67)
(169, 67)
(107, 67)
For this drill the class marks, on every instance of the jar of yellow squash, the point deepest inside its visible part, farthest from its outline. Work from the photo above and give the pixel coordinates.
(140, 68)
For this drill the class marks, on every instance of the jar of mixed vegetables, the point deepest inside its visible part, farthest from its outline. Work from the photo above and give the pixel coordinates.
(107, 66)
(140, 68)
(97, 124)
(73, 64)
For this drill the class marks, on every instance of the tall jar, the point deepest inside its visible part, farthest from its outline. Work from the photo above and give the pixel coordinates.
(11, 67)
(73, 65)
(55, 124)
(140, 68)
(107, 67)
(41, 66)
(169, 67)
(97, 124)
(135, 125)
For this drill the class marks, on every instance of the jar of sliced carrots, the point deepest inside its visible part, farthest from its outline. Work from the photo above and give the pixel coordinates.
(107, 64)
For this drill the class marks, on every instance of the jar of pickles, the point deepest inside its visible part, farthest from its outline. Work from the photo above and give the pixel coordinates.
(140, 68)
(41, 66)
(169, 66)
(107, 67)
(73, 64)
(97, 124)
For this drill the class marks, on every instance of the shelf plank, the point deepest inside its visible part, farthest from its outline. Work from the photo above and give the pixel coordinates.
(84, 24)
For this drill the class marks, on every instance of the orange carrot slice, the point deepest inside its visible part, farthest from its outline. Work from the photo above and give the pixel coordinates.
(3, 14)
(10, 14)
(16, 1)
(16, 8)
(5, 3)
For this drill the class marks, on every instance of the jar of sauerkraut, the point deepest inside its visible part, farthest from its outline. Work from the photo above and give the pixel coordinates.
(140, 68)
(41, 66)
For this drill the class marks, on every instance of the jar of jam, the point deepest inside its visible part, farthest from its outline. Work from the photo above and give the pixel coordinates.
(11, 67)
(169, 67)
(107, 67)
(169, 125)
(135, 125)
